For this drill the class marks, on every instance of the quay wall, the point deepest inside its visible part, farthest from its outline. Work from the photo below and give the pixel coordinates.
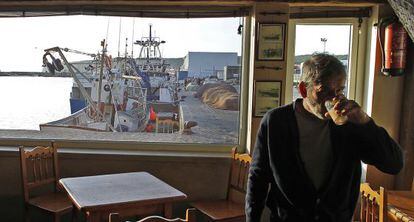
(43, 74)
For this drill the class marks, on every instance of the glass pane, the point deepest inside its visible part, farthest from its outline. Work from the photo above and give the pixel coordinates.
(317, 38)
(155, 80)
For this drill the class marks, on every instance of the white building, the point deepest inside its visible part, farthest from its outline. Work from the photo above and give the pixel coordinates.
(204, 64)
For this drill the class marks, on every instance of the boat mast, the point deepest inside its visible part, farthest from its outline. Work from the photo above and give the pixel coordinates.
(149, 42)
(103, 44)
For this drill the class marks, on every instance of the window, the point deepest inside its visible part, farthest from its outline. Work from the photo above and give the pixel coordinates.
(152, 80)
(338, 37)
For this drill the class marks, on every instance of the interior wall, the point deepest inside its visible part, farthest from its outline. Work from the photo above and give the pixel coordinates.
(197, 177)
(386, 108)
(266, 12)
(405, 178)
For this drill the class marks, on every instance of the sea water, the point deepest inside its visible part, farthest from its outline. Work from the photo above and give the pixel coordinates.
(26, 102)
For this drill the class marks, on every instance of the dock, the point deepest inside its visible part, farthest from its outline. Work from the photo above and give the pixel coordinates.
(42, 74)
(220, 126)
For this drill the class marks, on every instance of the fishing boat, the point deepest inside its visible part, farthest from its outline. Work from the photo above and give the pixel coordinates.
(121, 94)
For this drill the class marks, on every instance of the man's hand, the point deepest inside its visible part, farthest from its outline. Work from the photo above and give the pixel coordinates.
(351, 109)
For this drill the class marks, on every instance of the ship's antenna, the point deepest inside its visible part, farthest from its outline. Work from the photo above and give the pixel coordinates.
(119, 37)
(132, 39)
(149, 42)
(107, 28)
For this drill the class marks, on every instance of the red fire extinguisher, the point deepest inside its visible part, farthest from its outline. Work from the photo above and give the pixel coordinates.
(394, 50)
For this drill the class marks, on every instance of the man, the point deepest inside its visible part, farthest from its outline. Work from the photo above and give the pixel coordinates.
(312, 165)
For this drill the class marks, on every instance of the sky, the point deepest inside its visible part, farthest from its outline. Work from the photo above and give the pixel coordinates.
(23, 40)
(308, 39)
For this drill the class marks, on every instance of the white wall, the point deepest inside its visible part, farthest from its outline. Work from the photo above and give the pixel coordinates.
(202, 64)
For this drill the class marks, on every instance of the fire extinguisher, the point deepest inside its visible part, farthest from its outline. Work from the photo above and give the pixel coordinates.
(394, 50)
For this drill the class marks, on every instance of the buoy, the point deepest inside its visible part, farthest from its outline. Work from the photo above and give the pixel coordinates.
(153, 115)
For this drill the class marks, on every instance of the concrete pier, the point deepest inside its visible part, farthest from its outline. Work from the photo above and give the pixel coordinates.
(44, 74)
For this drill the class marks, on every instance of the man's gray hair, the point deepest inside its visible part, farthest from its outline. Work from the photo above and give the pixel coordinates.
(320, 68)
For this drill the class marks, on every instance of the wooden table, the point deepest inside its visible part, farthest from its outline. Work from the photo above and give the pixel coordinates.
(402, 201)
(128, 194)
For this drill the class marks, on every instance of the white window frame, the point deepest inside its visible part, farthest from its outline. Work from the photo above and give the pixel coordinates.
(356, 58)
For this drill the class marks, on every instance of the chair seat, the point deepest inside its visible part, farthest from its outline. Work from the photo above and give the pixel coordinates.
(220, 209)
(52, 202)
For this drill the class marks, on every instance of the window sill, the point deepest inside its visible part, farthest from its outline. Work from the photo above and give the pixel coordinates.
(110, 141)
(113, 154)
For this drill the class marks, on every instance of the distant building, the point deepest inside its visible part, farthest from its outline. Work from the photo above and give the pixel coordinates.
(205, 64)
(231, 72)
(297, 72)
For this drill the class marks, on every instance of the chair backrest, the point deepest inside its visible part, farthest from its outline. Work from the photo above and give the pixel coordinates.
(373, 204)
(190, 217)
(38, 167)
(239, 172)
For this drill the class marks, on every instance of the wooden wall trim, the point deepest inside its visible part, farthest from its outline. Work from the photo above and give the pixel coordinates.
(349, 3)
(359, 13)
(145, 8)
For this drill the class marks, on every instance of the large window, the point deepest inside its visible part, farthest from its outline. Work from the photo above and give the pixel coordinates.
(143, 79)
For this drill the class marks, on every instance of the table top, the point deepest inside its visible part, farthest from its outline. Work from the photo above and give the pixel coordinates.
(114, 190)
(403, 200)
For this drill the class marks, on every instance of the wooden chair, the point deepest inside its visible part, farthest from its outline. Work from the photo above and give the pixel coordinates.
(39, 168)
(190, 217)
(232, 208)
(373, 204)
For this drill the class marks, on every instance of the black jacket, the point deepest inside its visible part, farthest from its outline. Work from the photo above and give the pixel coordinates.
(292, 196)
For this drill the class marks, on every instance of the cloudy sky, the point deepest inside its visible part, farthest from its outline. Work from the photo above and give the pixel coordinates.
(23, 40)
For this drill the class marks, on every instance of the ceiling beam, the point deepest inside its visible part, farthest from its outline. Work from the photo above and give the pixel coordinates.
(14, 3)
(14, 8)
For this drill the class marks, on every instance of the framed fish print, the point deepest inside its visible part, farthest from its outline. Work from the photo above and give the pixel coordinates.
(271, 42)
(267, 95)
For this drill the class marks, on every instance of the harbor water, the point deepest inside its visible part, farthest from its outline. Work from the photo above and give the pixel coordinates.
(27, 102)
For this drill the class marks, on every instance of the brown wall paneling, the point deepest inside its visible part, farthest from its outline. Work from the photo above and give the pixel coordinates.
(263, 70)
(198, 177)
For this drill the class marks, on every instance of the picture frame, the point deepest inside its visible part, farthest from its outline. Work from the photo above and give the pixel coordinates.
(271, 42)
(267, 95)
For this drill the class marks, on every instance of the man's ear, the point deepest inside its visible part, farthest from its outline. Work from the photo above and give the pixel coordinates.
(302, 90)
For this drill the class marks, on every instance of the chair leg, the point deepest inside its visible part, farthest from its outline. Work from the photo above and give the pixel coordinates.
(57, 217)
(26, 214)
(26, 217)
(74, 214)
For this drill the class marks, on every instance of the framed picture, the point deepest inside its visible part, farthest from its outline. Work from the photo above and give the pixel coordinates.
(267, 96)
(271, 42)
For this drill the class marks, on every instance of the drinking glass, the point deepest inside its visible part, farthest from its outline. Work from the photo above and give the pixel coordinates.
(337, 118)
